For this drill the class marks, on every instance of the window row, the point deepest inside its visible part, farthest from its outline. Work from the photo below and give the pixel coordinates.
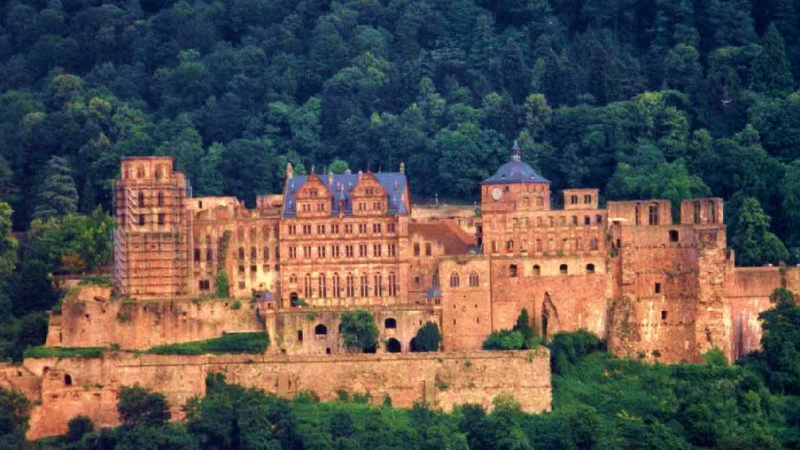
(455, 279)
(551, 221)
(538, 245)
(348, 286)
(240, 254)
(142, 203)
(335, 228)
(350, 251)
(160, 219)
(266, 231)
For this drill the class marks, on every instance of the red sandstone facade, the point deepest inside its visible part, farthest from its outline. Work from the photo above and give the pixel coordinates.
(655, 286)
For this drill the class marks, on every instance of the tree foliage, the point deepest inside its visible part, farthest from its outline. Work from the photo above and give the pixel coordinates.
(138, 406)
(358, 330)
(428, 338)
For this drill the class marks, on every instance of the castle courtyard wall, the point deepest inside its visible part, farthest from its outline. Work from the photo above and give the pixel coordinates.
(442, 379)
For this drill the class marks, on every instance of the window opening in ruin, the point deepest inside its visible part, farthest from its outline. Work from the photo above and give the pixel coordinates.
(299, 335)
(67, 380)
(428, 249)
(663, 315)
(204, 285)
(512, 270)
(509, 246)
(712, 212)
(141, 219)
(455, 280)
(416, 248)
(320, 330)
(161, 218)
(575, 220)
(327, 350)
(673, 236)
(658, 288)
(573, 200)
(537, 270)
(587, 199)
(197, 255)
(390, 323)
(653, 214)
(563, 269)
(587, 220)
(593, 244)
(393, 346)
(636, 214)
(293, 297)
(696, 212)
(590, 268)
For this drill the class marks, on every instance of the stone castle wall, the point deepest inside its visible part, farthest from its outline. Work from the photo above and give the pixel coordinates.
(88, 386)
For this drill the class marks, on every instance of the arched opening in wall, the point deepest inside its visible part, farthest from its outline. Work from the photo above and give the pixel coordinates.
(550, 322)
(67, 380)
(537, 270)
(390, 323)
(293, 297)
(393, 346)
(512, 270)
(563, 269)
(590, 268)
(320, 330)
(673, 235)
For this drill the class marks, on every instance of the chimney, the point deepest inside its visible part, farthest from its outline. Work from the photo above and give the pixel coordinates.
(330, 178)
(289, 171)
(348, 172)
(402, 167)
(360, 175)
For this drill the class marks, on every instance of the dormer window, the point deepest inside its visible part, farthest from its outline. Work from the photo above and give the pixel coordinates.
(573, 200)
(369, 191)
(313, 193)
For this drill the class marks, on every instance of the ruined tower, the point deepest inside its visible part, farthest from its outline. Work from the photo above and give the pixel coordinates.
(150, 252)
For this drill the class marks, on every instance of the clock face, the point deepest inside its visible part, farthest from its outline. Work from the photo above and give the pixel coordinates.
(496, 193)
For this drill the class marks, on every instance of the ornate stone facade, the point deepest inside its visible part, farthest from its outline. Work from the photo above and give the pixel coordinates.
(656, 286)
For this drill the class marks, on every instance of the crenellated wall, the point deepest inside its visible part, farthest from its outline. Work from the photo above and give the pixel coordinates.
(442, 379)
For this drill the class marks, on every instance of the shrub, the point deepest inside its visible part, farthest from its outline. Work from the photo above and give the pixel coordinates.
(95, 280)
(504, 340)
(123, 316)
(237, 305)
(427, 338)
(222, 285)
(359, 331)
(77, 427)
(64, 352)
(138, 406)
(567, 349)
(229, 343)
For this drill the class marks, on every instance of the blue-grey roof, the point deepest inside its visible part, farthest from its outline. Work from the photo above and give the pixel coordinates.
(394, 183)
(434, 293)
(515, 171)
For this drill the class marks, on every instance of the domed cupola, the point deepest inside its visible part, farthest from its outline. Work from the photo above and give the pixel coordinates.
(515, 171)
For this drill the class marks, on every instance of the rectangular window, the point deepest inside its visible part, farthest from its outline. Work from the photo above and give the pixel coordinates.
(241, 269)
(323, 287)
(376, 250)
(350, 286)
(306, 229)
(428, 249)
(362, 228)
(364, 286)
(292, 252)
(306, 251)
(141, 219)
(241, 285)
(205, 285)
(362, 250)
(197, 255)
(653, 216)
(320, 229)
(378, 286)
(335, 228)
(334, 251)
(253, 269)
(391, 250)
(348, 228)
(292, 229)
(376, 228)
(348, 251)
(390, 228)
(161, 218)
(657, 288)
(321, 251)
(416, 248)
(392, 285)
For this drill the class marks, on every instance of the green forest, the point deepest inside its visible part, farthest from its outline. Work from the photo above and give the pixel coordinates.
(599, 402)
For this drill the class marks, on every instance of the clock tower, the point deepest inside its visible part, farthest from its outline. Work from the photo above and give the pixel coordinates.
(515, 189)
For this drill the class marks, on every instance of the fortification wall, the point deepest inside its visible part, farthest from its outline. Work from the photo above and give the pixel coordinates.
(442, 379)
(89, 320)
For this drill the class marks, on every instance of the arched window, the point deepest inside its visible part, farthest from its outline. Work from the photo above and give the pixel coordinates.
(141, 199)
(292, 278)
(320, 330)
(209, 254)
(390, 323)
(253, 253)
(512, 270)
(337, 288)
(455, 280)
(307, 289)
(435, 280)
(474, 280)
(351, 285)
(241, 253)
(537, 270)
(590, 268)
(159, 172)
(160, 199)
(563, 269)
(139, 172)
(266, 253)
(593, 243)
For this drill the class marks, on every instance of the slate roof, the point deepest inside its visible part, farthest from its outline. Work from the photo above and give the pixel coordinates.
(515, 171)
(394, 183)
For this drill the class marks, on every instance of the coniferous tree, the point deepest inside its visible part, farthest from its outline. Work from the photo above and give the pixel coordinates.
(771, 70)
(754, 243)
(57, 195)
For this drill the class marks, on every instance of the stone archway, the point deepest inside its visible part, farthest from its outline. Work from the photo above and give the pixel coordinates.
(393, 346)
(550, 322)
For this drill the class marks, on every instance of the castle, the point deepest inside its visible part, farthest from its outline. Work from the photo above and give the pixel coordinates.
(655, 286)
